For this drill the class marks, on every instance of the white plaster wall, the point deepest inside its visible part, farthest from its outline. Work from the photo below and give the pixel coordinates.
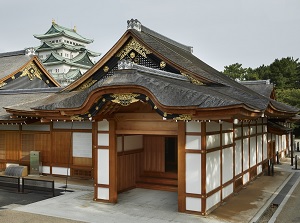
(9, 127)
(245, 154)
(103, 193)
(259, 129)
(61, 171)
(72, 125)
(252, 151)
(213, 200)
(227, 138)
(283, 141)
(227, 164)
(193, 127)
(212, 170)
(259, 169)
(193, 142)
(226, 191)
(277, 143)
(259, 148)
(82, 144)
(193, 173)
(193, 204)
(103, 139)
(252, 130)
(103, 125)
(103, 166)
(36, 127)
(265, 128)
(212, 127)
(238, 157)
(265, 146)
(212, 141)
(133, 142)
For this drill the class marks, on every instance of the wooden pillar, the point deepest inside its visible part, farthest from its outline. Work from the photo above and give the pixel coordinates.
(181, 167)
(203, 167)
(113, 190)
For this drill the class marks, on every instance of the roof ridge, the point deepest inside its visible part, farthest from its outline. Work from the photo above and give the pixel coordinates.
(13, 53)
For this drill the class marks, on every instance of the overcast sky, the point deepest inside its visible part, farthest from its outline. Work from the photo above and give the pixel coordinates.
(222, 32)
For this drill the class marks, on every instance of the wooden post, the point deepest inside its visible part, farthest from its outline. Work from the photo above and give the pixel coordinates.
(181, 167)
(113, 191)
(203, 167)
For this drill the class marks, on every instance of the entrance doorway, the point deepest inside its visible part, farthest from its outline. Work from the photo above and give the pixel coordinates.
(171, 156)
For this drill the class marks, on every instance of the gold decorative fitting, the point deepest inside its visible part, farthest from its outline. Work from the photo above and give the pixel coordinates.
(89, 115)
(183, 117)
(162, 64)
(32, 72)
(76, 118)
(193, 80)
(147, 99)
(13, 77)
(133, 45)
(47, 82)
(106, 69)
(165, 114)
(103, 99)
(155, 107)
(87, 84)
(2, 84)
(132, 55)
(125, 99)
(97, 108)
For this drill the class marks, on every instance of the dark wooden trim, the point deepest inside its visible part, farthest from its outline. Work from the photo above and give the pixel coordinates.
(102, 185)
(194, 151)
(203, 167)
(113, 187)
(130, 152)
(194, 195)
(95, 157)
(68, 130)
(193, 133)
(102, 147)
(181, 167)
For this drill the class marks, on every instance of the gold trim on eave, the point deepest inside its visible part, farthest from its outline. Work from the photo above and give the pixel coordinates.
(124, 99)
(32, 72)
(193, 80)
(87, 84)
(183, 117)
(133, 45)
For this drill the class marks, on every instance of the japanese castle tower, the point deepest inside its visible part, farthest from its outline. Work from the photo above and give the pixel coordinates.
(64, 54)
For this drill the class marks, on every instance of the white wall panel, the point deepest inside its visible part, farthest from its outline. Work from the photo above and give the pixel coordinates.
(276, 143)
(245, 131)
(246, 178)
(213, 200)
(193, 204)
(227, 126)
(103, 193)
(133, 142)
(238, 157)
(193, 173)
(238, 132)
(193, 127)
(72, 125)
(82, 144)
(103, 166)
(259, 169)
(103, 125)
(103, 139)
(265, 128)
(212, 127)
(245, 154)
(9, 127)
(252, 151)
(265, 147)
(193, 142)
(227, 138)
(226, 191)
(259, 148)
(212, 141)
(212, 170)
(227, 162)
(259, 129)
(61, 171)
(252, 130)
(36, 127)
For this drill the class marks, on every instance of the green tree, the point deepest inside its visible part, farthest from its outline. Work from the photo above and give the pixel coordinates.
(235, 71)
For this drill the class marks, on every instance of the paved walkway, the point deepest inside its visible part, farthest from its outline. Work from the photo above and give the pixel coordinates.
(141, 205)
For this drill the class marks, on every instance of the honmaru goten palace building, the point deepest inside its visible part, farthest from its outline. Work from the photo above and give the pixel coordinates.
(150, 114)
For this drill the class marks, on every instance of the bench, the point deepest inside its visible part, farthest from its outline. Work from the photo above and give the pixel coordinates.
(38, 184)
(10, 181)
